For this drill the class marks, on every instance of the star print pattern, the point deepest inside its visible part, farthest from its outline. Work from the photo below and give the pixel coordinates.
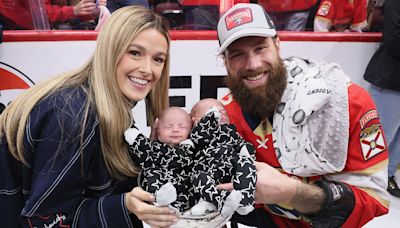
(220, 162)
(161, 164)
(195, 172)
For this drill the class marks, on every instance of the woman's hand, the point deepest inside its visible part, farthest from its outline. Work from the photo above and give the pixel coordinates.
(139, 202)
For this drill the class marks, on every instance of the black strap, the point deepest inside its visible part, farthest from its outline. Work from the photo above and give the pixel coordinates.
(339, 204)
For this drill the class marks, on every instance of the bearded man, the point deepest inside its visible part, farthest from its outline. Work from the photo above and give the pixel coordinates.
(322, 157)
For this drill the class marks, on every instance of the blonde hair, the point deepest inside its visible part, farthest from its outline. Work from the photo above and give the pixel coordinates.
(98, 79)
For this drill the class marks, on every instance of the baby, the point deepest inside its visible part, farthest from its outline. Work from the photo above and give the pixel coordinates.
(194, 163)
(221, 156)
(167, 161)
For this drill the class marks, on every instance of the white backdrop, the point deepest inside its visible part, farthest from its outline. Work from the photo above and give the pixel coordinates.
(194, 59)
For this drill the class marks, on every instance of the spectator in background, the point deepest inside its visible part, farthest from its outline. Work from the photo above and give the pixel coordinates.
(383, 72)
(375, 16)
(201, 15)
(341, 16)
(189, 14)
(290, 15)
(172, 10)
(15, 14)
(113, 5)
(74, 14)
(62, 14)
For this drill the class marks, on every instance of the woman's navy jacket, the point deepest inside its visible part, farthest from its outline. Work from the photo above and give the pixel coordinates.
(67, 183)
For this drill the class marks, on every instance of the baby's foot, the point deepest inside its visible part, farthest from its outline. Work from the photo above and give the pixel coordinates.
(201, 208)
(166, 195)
(232, 202)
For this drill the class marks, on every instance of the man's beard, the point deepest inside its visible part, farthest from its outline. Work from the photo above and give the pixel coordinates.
(260, 101)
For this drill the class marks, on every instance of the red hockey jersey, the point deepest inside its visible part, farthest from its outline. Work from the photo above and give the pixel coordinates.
(343, 14)
(286, 5)
(365, 166)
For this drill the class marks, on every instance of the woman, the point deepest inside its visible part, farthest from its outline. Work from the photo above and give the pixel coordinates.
(62, 151)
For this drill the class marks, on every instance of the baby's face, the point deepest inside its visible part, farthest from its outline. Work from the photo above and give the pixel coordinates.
(174, 127)
(206, 105)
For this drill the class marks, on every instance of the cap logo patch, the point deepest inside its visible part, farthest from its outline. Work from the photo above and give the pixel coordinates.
(238, 17)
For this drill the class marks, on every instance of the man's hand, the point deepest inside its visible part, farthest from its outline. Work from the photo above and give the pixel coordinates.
(274, 187)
